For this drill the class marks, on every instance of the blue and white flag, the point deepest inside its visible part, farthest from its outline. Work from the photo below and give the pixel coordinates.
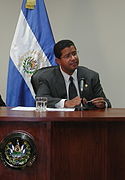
(31, 49)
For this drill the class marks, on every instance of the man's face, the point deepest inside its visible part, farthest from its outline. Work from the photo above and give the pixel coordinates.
(69, 60)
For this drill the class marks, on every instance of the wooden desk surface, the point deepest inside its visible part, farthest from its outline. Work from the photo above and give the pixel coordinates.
(111, 114)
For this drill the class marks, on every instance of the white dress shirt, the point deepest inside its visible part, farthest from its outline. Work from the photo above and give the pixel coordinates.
(60, 104)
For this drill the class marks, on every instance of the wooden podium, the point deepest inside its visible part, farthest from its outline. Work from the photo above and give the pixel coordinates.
(88, 145)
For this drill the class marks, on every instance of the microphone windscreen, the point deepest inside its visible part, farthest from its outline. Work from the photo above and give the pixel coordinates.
(82, 84)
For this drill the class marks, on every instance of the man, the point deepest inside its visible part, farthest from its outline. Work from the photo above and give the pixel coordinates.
(2, 102)
(54, 82)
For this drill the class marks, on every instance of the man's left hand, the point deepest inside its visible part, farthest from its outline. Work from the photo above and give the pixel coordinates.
(99, 102)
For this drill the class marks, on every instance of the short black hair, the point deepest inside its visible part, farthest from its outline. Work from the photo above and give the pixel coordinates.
(59, 46)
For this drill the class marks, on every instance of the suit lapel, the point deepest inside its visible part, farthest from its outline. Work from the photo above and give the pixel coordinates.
(80, 74)
(60, 84)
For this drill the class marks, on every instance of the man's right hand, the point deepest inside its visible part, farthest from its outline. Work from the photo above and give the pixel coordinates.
(73, 102)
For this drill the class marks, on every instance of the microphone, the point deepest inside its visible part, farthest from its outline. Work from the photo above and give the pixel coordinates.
(82, 107)
(82, 83)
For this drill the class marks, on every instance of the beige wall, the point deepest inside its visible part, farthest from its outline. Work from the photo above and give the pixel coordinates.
(96, 26)
(9, 12)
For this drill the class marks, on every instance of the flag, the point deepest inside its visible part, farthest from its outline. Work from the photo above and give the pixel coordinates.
(31, 49)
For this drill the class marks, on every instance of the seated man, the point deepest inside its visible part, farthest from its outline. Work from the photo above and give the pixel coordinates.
(2, 102)
(62, 84)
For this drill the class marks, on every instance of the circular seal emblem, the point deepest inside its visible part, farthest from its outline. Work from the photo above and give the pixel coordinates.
(31, 61)
(30, 65)
(18, 150)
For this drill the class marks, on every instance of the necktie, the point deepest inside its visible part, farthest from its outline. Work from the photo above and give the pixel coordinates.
(72, 89)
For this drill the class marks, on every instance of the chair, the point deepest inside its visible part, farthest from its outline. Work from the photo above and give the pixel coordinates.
(35, 78)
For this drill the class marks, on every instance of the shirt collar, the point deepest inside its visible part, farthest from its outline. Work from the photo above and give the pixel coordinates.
(66, 76)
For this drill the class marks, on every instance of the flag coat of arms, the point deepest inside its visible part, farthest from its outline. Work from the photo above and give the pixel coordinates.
(31, 49)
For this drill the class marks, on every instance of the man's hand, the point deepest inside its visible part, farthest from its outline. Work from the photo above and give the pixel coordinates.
(99, 102)
(73, 102)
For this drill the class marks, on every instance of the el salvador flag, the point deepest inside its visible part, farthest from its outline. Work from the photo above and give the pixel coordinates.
(31, 49)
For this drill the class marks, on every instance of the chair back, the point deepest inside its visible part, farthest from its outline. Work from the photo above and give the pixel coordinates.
(35, 78)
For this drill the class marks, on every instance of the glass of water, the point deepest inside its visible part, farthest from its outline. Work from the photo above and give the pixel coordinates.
(41, 104)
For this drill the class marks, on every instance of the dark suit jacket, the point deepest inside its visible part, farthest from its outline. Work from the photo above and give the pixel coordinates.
(2, 102)
(49, 82)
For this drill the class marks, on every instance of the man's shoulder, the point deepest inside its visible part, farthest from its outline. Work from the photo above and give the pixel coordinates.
(45, 70)
(48, 69)
(86, 70)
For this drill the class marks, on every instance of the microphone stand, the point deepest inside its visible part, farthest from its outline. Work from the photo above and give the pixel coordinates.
(82, 106)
